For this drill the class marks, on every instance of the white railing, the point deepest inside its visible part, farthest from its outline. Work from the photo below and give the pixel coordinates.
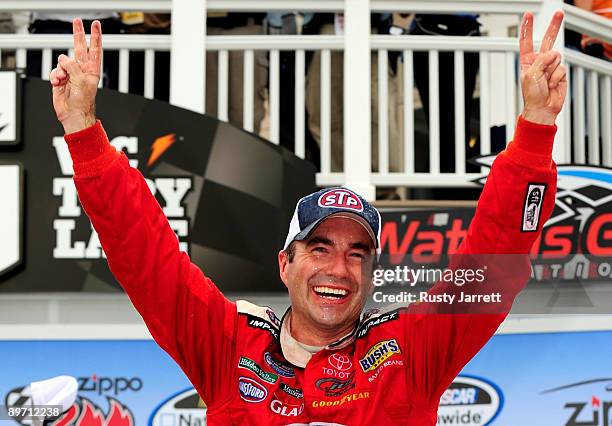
(590, 78)
(589, 121)
(588, 117)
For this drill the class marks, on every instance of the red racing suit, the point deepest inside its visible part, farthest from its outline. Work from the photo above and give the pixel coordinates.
(242, 360)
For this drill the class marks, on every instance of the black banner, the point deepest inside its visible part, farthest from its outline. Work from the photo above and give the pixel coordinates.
(228, 194)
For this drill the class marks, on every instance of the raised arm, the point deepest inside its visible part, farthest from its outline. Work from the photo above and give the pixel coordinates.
(186, 314)
(515, 203)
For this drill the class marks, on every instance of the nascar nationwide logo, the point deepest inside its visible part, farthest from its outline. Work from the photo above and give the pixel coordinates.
(378, 354)
(184, 408)
(469, 401)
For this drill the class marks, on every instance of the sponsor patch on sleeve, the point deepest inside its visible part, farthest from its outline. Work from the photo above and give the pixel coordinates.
(533, 206)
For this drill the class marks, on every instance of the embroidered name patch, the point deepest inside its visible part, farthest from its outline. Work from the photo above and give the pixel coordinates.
(533, 207)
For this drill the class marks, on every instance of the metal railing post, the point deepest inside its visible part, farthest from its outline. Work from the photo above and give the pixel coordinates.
(542, 18)
(188, 54)
(357, 99)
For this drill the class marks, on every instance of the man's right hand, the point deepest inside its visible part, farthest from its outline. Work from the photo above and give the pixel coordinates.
(75, 80)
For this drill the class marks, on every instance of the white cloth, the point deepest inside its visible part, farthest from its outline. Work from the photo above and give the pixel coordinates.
(21, 21)
(61, 390)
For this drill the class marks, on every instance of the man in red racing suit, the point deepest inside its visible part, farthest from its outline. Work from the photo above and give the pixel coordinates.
(388, 367)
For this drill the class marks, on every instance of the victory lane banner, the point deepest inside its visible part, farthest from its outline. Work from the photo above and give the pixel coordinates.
(228, 195)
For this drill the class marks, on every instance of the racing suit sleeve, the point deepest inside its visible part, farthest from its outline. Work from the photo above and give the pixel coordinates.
(185, 312)
(442, 338)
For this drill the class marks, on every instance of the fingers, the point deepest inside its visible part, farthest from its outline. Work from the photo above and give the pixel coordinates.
(558, 76)
(551, 32)
(543, 61)
(95, 48)
(58, 76)
(80, 43)
(552, 67)
(526, 35)
(70, 65)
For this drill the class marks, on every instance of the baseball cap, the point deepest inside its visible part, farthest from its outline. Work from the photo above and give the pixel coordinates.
(314, 208)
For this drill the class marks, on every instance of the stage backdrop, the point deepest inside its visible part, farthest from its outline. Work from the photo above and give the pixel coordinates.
(523, 379)
(228, 194)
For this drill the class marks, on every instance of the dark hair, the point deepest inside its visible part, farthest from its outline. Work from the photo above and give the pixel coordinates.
(290, 251)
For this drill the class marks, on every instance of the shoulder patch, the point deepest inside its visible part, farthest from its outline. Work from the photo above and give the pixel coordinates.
(245, 307)
(259, 317)
(377, 319)
(532, 209)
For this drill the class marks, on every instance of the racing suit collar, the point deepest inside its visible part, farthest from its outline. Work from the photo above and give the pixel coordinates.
(295, 353)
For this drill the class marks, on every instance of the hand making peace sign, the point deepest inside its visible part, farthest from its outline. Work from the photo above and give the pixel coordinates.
(543, 77)
(75, 80)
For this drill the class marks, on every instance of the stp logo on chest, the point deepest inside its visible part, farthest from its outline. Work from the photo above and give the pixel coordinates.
(342, 199)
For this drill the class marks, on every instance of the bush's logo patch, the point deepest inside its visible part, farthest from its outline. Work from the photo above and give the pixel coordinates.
(378, 354)
(341, 199)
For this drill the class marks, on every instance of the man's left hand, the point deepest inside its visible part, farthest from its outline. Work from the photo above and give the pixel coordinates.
(543, 77)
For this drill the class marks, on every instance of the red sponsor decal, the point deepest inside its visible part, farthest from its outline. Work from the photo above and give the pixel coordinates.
(87, 413)
(340, 362)
(342, 199)
(424, 245)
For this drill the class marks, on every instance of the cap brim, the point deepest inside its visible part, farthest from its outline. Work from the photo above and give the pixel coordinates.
(305, 233)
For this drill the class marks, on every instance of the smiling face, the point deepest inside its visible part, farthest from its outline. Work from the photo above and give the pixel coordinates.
(329, 278)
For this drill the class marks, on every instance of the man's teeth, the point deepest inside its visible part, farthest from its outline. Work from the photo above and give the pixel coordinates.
(334, 292)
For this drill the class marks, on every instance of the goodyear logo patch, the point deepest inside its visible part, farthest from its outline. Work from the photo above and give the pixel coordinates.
(378, 354)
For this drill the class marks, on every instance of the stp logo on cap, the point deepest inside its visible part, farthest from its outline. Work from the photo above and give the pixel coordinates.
(341, 199)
